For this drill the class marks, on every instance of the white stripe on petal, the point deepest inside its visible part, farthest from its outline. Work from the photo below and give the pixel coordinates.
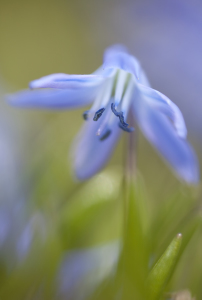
(103, 98)
(128, 96)
(120, 85)
(65, 81)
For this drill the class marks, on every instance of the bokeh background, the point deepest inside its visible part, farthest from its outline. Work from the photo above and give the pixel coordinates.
(44, 212)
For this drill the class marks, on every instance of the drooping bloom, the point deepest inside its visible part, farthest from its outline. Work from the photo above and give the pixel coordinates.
(118, 87)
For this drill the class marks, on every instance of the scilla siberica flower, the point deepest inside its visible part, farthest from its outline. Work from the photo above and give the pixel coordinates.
(117, 88)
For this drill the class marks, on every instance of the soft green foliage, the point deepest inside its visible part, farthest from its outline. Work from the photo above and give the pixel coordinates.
(99, 212)
(108, 208)
(163, 269)
(134, 279)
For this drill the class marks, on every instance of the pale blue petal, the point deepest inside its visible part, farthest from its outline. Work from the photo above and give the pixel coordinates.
(143, 78)
(162, 103)
(65, 81)
(118, 57)
(54, 98)
(89, 153)
(81, 270)
(105, 73)
(160, 132)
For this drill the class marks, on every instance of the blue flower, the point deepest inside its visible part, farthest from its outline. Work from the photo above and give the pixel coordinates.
(116, 88)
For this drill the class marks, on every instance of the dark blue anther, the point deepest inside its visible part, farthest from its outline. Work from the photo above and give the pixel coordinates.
(128, 129)
(119, 115)
(86, 115)
(105, 135)
(98, 114)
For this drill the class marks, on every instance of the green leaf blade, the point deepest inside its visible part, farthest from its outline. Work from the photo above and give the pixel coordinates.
(163, 269)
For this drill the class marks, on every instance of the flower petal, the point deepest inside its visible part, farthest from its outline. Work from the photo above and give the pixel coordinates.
(118, 57)
(143, 78)
(54, 98)
(80, 270)
(65, 81)
(89, 153)
(159, 131)
(165, 105)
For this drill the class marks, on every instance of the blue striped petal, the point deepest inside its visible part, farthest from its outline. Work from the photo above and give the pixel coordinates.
(160, 132)
(89, 153)
(65, 81)
(54, 98)
(162, 103)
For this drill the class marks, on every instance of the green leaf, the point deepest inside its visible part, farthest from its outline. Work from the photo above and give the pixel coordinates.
(133, 268)
(163, 269)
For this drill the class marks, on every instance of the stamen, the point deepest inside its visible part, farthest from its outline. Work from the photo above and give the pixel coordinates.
(119, 115)
(86, 115)
(105, 135)
(127, 129)
(98, 114)
(101, 100)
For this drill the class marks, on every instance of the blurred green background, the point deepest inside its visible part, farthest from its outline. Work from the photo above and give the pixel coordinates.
(44, 211)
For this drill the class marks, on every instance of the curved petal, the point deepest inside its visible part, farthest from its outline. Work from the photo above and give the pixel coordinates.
(165, 105)
(158, 130)
(143, 78)
(89, 153)
(65, 81)
(118, 57)
(54, 98)
(108, 72)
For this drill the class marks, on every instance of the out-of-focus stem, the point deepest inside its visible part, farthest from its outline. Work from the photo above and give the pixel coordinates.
(130, 170)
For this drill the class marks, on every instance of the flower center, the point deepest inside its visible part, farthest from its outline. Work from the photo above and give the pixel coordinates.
(115, 97)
